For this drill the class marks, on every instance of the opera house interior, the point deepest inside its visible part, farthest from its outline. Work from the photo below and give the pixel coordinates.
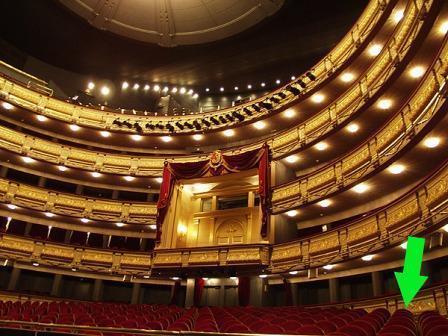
(214, 167)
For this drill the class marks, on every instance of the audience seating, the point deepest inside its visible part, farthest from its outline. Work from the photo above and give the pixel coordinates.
(261, 320)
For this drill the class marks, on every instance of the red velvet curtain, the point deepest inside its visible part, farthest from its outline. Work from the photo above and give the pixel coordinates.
(175, 293)
(288, 292)
(198, 289)
(243, 291)
(218, 165)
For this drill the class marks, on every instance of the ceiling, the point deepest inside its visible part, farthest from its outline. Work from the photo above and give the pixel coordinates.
(283, 44)
(174, 22)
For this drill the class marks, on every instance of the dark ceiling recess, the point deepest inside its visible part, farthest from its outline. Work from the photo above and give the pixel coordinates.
(283, 45)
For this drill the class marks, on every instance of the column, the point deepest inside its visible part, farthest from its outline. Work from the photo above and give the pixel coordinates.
(334, 289)
(97, 290)
(56, 288)
(377, 283)
(3, 171)
(189, 296)
(136, 293)
(14, 278)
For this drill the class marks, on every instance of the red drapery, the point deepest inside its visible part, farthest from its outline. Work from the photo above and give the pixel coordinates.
(243, 291)
(218, 164)
(198, 288)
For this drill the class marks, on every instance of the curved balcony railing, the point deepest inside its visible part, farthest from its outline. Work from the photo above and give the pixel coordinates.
(98, 118)
(376, 152)
(420, 211)
(39, 199)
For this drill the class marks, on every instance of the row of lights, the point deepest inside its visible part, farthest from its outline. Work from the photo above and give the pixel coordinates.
(158, 88)
(394, 169)
(83, 220)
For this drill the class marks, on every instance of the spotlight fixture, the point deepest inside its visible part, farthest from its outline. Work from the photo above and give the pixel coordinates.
(179, 125)
(230, 117)
(301, 83)
(266, 104)
(247, 111)
(275, 99)
(292, 213)
(214, 120)
(292, 159)
(206, 122)
(256, 107)
(222, 119)
(295, 91)
(150, 126)
(138, 128)
(169, 127)
(324, 203)
(197, 125)
(187, 124)
(117, 122)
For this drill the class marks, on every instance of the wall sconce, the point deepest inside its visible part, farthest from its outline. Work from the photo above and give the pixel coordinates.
(182, 230)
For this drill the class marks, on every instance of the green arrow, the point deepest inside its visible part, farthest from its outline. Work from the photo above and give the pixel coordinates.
(410, 281)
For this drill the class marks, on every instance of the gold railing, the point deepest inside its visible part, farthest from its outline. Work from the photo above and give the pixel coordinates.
(379, 150)
(76, 206)
(101, 119)
(422, 209)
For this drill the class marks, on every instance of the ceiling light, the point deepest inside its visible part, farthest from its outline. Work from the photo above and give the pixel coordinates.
(190, 92)
(324, 203)
(249, 86)
(74, 128)
(444, 27)
(120, 224)
(229, 132)
(293, 77)
(146, 276)
(398, 15)
(236, 88)
(375, 49)
(159, 179)
(396, 168)
(49, 214)
(360, 188)
(368, 257)
(174, 90)
(263, 84)
(263, 276)
(91, 85)
(136, 137)
(105, 91)
(328, 267)
(259, 125)
(153, 226)
(165, 89)
(11, 206)
(347, 77)
(384, 104)
(156, 88)
(445, 228)
(417, 71)
(293, 272)
(105, 134)
(320, 146)
(207, 89)
(7, 106)
(431, 142)
(205, 279)
(136, 86)
(198, 137)
(166, 138)
(85, 220)
(195, 96)
(124, 85)
(317, 98)
(146, 87)
(233, 278)
(129, 178)
(221, 89)
(95, 174)
(182, 90)
(62, 168)
(35, 264)
(41, 118)
(74, 269)
(27, 159)
(289, 113)
(404, 245)
(353, 128)
(175, 278)
(292, 213)
(277, 81)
